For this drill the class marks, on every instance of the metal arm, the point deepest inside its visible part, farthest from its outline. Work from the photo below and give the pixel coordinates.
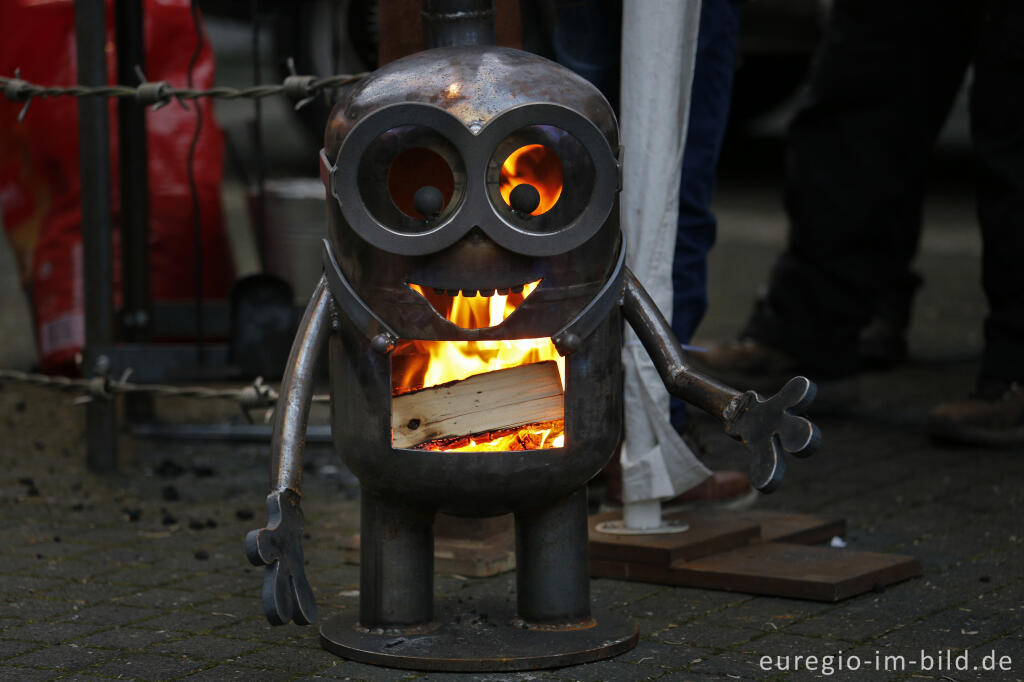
(766, 427)
(288, 442)
(286, 592)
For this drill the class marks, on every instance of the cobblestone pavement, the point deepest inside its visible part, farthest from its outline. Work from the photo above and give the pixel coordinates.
(141, 574)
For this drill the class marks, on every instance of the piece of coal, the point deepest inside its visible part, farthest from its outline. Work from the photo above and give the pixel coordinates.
(203, 471)
(169, 469)
(170, 493)
(168, 520)
(202, 555)
(243, 514)
(25, 480)
(195, 524)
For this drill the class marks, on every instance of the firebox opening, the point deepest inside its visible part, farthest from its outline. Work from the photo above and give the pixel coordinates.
(469, 309)
(477, 396)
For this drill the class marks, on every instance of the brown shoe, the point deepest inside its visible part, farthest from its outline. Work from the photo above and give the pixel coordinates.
(726, 489)
(746, 363)
(993, 417)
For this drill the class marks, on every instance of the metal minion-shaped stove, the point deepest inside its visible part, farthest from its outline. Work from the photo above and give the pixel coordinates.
(473, 231)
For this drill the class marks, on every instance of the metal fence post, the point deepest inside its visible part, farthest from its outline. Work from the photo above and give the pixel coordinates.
(97, 243)
(137, 310)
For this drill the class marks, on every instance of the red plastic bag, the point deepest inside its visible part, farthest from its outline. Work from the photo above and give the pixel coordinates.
(39, 168)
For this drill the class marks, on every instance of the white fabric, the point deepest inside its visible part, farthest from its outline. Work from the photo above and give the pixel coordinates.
(659, 42)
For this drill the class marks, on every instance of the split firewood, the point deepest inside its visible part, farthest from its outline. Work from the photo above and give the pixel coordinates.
(494, 401)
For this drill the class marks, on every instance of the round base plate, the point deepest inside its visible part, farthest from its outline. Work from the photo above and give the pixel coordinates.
(484, 640)
(619, 527)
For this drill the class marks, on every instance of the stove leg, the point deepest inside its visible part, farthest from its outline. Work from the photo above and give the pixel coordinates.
(396, 572)
(552, 562)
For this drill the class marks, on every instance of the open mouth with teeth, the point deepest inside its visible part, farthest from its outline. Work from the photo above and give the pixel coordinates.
(474, 308)
(421, 364)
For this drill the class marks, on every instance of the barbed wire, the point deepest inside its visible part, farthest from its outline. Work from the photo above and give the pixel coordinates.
(159, 93)
(254, 396)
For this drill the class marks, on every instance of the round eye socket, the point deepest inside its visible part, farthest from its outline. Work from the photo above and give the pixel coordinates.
(411, 178)
(557, 172)
(540, 168)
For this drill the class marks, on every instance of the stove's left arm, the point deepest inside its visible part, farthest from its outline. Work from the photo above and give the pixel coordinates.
(286, 592)
(767, 427)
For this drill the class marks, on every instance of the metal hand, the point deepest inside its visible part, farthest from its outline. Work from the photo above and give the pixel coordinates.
(769, 427)
(286, 592)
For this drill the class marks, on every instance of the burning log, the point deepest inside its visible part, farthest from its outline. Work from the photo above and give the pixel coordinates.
(529, 437)
(500, 401)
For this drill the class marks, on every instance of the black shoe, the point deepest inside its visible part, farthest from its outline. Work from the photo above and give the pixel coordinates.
(883, 343)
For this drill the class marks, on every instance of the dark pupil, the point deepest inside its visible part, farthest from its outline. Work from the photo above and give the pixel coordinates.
(414, 169)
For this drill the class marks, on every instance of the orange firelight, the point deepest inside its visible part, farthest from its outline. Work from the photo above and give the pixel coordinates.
(537, 165)
(418, 364)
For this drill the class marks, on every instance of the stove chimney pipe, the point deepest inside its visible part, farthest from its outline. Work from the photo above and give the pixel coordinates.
(451, 23)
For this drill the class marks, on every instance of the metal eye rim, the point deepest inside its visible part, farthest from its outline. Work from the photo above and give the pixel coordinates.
(476, 209)
(352, 203)
(577, 188)
(603, 195)
(374, 177)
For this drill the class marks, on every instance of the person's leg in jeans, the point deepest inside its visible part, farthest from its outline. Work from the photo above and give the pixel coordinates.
(995, 414)
(997, 129)
(883, 83)
(587, 38)
(709, 113)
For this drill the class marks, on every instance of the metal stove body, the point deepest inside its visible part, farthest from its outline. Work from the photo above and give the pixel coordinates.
(469, 107)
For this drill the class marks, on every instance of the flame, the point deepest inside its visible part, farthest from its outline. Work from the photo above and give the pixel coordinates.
(420, 364)
(533, 437)
(537, 165)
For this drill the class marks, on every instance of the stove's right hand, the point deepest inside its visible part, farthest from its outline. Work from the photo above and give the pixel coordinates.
(286, 592)
(769, 427)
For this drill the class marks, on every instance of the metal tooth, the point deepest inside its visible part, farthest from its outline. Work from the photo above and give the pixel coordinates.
(504, 292)
(518, 289)
(487, 292)
(451, 292)
(438, 292)
(468, 293)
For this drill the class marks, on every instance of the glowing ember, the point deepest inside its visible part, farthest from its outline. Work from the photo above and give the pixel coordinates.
(537, 165)
(531, 437)
(421, 364)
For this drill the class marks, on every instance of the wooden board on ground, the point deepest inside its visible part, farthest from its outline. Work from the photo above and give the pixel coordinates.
(709, 532)
(764, 566)
(801, 529)
(497, 400)
(798, 571)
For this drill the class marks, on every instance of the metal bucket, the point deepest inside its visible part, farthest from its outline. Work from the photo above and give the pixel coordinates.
(295, 230)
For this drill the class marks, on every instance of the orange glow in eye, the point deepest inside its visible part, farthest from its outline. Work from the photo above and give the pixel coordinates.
(413, 168)
(537, 165)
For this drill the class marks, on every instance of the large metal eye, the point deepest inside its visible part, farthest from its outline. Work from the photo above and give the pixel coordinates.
(421, 183)
(411, 178)
(540, 178)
